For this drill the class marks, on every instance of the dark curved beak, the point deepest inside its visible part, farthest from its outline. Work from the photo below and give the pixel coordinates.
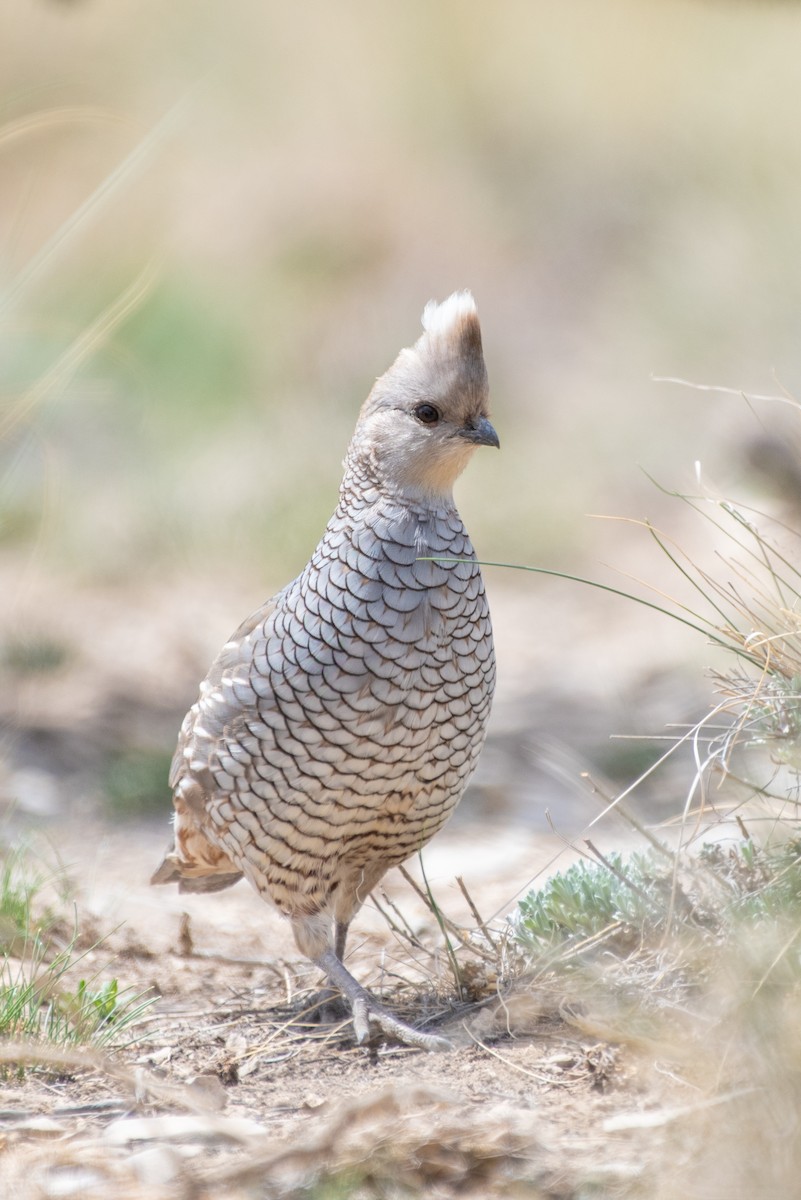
(480, 433)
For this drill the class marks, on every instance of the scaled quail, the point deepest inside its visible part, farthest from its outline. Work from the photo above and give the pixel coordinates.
(336, 731)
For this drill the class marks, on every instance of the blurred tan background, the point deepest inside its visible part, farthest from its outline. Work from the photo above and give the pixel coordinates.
(218, 225)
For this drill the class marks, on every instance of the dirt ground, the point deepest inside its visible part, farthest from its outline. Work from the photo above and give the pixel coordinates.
(228, 1089)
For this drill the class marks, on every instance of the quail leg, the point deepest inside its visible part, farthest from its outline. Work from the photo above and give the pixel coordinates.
(329, 1005)
(366, 1009)
(340, 938)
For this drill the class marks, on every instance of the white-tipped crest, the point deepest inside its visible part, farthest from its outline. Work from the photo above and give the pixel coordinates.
(440, 318)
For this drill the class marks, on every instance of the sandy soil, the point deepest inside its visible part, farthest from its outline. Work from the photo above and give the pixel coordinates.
(227, 1072)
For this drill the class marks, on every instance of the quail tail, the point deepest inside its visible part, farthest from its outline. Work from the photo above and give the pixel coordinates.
(366, 1009)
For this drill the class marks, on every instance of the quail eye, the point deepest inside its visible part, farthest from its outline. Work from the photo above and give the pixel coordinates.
(427, 414)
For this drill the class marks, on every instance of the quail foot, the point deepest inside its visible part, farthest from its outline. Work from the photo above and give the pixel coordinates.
(337, 729)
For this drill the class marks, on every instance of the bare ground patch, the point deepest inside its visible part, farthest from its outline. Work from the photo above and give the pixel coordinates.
(232, 1088)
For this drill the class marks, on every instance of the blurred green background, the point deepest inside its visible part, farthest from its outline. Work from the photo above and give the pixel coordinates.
(218, 225)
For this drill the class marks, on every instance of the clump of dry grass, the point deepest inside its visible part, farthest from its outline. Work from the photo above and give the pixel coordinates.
(689, 954)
